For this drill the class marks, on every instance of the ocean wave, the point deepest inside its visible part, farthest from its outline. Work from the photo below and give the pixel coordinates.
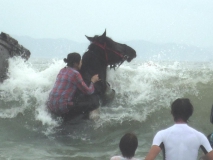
(142, 88)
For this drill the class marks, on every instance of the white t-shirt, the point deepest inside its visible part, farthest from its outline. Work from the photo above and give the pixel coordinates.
(122, 158)
(181, 142)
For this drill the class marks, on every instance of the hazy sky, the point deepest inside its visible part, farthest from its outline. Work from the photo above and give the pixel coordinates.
(180, 21)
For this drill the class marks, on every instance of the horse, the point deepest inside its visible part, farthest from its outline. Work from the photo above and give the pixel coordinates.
(103, 52)
(9, 47)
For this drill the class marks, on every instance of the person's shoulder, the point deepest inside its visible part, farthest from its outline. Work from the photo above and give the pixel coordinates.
(62, 69)
(199, 133)
(135, 159)
(165, 130)
(72, 71)
(193, 129)
(122, 158)
(116, 158)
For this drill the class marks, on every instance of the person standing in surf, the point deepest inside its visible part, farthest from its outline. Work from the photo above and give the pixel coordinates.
(180, 141)
(60, 101)
(128, 145)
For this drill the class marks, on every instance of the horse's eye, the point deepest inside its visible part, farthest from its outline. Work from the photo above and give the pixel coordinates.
(126, 57)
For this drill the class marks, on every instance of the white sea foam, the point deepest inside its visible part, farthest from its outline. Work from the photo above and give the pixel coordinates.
(27, 88)
(141, 89)
(146, 88)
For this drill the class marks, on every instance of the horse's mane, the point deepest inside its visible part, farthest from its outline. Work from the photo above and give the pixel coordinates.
(109, 42)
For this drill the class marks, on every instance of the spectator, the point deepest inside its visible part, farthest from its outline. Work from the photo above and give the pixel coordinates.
(180, 141)
(128, 145)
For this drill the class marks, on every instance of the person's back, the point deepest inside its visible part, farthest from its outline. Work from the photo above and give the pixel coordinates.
(61, 98)
(181, 142)
(64, 90)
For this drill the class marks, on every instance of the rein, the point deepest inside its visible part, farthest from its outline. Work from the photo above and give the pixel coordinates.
(117, 53)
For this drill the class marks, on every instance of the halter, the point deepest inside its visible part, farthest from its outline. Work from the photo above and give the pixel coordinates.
(124, 57)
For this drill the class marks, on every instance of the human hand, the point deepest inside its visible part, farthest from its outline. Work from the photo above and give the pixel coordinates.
(95, 78)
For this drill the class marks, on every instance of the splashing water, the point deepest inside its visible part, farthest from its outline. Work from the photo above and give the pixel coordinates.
(143, 90)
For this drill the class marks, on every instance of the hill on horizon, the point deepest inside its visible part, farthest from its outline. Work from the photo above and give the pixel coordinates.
(59, 48)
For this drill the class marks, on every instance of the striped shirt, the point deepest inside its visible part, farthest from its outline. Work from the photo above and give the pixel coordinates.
(67, 82)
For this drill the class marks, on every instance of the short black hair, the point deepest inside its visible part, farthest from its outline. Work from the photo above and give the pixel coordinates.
(128, 144)
(72, 58)
(182, 109)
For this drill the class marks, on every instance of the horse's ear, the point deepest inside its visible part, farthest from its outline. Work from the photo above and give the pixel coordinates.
(104, 34)
(89, 38)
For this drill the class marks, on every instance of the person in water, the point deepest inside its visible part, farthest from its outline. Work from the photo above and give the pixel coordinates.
(61, 98)
(180, 141)
(210, 137)
(128, 145)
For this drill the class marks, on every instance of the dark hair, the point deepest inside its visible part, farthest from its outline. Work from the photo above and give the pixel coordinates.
(182, 109)
(72, 58)
(128, 144)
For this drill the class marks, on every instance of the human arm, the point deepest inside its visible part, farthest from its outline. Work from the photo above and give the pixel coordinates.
(82, 85)
(156, 146)
(153, 152)
(208, 156)
(206, 148)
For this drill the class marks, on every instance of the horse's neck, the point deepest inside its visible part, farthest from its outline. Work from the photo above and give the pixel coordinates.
(93, 63)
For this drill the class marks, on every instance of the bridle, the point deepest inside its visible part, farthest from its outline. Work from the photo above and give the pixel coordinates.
(105, 48)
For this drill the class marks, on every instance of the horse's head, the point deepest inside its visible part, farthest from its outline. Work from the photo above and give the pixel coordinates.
(113, 52)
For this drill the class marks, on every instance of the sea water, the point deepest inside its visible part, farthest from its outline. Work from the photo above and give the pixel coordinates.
(144, 92)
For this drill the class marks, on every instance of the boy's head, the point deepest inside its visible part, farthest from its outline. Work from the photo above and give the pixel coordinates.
(128, 145)
(181, 109)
